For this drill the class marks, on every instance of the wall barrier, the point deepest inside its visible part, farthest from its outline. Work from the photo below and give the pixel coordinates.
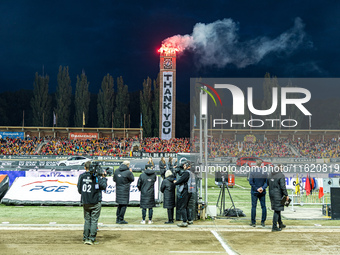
(63, 191)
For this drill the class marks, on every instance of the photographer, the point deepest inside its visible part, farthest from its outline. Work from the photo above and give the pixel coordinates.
(183, 196)
(123, 177)
(90, 186)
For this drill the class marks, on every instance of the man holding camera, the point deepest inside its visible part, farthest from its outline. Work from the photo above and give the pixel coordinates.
(90, 186)
(123, 177)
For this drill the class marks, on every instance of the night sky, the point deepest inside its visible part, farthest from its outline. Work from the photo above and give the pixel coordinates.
(122, 37)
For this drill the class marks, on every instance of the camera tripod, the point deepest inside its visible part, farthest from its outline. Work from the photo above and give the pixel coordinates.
(221, 198)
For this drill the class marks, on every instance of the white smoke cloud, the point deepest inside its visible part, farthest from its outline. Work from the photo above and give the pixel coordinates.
(218, 43)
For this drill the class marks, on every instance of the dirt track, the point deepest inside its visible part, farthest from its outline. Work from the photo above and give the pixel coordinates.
(167, 242)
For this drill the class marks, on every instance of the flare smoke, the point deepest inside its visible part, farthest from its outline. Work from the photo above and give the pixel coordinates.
(218, 43)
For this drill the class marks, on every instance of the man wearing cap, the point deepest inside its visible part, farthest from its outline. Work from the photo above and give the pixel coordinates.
(123, 177)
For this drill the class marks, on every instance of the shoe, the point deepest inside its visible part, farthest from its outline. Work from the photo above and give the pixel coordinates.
(190, 222)
(253, 225)
(150, 222)
(142, 222)
(123, 222)
(169, 222)
(276, 229)
(183, 224)
(282, 225)
(89, 242)
(262, 224)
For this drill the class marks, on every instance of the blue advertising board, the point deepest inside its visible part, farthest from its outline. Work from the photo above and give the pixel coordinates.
(4, 135)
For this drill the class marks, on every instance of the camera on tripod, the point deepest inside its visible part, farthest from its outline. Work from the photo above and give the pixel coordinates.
(97, 170)
(221, 178)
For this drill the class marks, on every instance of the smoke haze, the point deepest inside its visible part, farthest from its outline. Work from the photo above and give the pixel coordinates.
(218, 43)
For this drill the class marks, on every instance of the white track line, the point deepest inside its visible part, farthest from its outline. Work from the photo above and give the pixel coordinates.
(224, 245)
(196, 252)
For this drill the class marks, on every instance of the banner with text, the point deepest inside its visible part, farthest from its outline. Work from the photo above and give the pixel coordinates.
(83, 136)
(61, 190)
(167, 105)
(4, 135)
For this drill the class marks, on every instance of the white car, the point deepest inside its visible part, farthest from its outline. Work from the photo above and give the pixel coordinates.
(74, 161)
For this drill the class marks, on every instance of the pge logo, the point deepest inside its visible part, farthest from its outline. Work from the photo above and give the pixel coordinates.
(50, 188)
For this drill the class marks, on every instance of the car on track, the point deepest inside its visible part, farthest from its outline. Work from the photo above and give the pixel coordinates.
(74, 161)
(251, 161)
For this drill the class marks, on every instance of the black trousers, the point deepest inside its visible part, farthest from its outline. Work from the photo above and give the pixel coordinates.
(277, 218)
(144, 213)
(184, 199)
(171, 214)
(120, 212)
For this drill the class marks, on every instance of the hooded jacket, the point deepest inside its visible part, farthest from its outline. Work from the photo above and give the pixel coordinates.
(146, 186)
(168, 189)
(277, 188)
(123, 178)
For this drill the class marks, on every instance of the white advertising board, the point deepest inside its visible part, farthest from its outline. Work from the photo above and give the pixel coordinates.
(62, 189)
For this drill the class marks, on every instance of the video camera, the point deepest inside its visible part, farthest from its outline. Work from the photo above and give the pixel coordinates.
(97, 170)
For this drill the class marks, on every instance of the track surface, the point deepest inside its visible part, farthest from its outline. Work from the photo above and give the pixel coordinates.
(171, 240)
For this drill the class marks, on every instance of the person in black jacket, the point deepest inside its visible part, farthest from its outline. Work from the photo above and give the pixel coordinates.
(168, 189)
(123, 177)
(90, 187)
(183, 198)
(146, 186)
(258, 183)
(277, 189)
(162, 167)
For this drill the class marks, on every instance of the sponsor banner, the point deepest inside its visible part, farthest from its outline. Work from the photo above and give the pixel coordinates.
(49, 173)
(62, 189)
(83, 136)
(167, 105)
(4, 135)
(12, 175)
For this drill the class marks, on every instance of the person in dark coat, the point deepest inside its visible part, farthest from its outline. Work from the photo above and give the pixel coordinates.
(168, 189)
(162, 167)
(277, 189)
(123, 177)
(146, 186)
(258, 183)
(184, 196)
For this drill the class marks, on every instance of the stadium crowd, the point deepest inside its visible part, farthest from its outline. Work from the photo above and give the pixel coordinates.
(317, 148)
(17, 146)
(231, 148)
(123, 147)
